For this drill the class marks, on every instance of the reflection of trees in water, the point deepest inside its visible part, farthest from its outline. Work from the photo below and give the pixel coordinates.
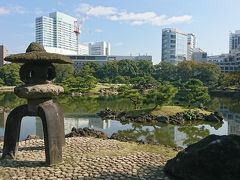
(233, 104)
(153, 134)
(78, 104)
(91, 104)
(214, 104)
(10, 100)
(193, 133)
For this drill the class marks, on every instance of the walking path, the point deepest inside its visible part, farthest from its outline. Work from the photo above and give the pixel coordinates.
(88, 158)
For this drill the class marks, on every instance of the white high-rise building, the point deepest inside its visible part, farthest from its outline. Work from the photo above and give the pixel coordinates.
(174, 46)
(191, 45)
(100, 48)
(3, 54)
(234, 41)
(56, 33)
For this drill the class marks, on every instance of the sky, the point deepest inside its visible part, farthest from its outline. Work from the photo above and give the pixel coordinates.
(131, 26)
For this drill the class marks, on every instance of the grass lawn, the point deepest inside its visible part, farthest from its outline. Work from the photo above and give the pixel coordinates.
(103, 86)
(165, 110)
(172, 110)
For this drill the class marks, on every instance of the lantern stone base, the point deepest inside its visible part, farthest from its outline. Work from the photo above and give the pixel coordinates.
(53, 128)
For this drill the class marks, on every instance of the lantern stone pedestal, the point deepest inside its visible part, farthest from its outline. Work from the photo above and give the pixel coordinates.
(37, 72)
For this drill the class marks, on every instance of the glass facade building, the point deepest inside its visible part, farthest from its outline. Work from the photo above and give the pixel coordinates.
(234, 41)
(174, 46)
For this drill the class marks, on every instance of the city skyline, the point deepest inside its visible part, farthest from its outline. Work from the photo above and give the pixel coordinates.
(131, 27)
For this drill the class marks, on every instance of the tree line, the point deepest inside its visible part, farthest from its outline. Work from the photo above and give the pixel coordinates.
(188, 81)
(128, 71)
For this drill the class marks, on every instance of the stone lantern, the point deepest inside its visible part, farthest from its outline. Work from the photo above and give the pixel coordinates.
(37, 72)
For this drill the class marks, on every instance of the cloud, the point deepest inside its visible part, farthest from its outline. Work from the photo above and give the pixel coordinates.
(38, 12)
(9, 10)
(98, 30)
(132, 18)
(118, 44)
(4, 11)
(96, 11)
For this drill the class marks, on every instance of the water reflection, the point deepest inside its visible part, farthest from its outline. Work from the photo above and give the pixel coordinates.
(232, 118)
(76, 108)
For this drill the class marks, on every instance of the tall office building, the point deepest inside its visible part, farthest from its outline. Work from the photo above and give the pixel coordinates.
(234, 41)
(100, 49)
(191, 45)
(56, 33)
(174, 45)
(3, 54)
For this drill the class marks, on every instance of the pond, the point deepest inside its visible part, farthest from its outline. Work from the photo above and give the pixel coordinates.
(81, 112)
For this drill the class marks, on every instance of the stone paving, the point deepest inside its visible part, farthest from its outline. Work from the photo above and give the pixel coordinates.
(87, 158)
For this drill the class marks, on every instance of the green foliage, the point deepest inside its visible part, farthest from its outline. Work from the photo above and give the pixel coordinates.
(190, 114)
(161, 95)
(132, 94)
(144, 83)
(232, 79)
(145, 68)
(89, 68)
(80, 84)
(108, 71)
(194, 93)
(63, 72)
(118, 71)
(121, 79)
(9, 74)
(165, 72)
(209, 74)
(128, 68)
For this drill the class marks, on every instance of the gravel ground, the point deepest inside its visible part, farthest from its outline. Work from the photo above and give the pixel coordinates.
(88, 158)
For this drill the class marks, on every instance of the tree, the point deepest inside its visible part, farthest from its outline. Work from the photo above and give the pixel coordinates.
(89, 68)
(232, 79)
(9, 73)
(132, 94)
(108, 71)
(144, 83)
(128, 68)
(165, 72)
(145, 68)
(63, 72)
(185, 70)
(121, 79)
(194, 92)
(161, 95)
(209, 74)
(80, 84)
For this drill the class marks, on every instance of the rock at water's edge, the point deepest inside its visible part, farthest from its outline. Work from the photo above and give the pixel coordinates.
(86, 132)
(214, 157)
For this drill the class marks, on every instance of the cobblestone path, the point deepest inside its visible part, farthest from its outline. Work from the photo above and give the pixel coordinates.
(88, 158)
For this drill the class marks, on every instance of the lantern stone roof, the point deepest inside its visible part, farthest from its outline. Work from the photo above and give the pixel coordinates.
(35, 53)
